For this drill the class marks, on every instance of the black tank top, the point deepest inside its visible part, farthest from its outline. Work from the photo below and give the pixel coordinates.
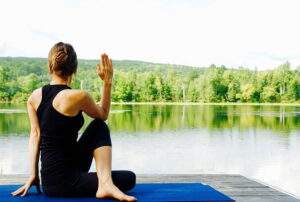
(58, 137)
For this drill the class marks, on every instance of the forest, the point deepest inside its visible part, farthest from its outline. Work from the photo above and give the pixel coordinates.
(138, 81)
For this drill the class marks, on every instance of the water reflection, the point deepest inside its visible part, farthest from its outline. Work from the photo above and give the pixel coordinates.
(258, 141)
(212, 117)
(133, 118)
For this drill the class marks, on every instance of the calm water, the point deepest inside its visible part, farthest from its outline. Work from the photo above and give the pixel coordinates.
(261, 142)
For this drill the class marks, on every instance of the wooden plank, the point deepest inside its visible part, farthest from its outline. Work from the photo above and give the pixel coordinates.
(238, 187)
(265, 199)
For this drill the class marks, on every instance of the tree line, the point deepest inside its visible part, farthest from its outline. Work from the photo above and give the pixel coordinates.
(137, 81)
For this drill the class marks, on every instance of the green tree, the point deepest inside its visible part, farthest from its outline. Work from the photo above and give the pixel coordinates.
(28, 83)
(281, 78)
(247, 93)
(269, 94)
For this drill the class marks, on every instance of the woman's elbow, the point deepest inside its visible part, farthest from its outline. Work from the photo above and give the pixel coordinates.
(35, 134)
(103, 114)
(104, 117)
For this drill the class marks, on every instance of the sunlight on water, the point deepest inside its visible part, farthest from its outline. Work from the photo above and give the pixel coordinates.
(118, 111)
(9, 111)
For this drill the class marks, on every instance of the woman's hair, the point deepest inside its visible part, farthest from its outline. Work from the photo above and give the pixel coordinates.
(62, 59)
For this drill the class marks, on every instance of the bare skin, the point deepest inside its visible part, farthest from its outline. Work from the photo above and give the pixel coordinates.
(69, 102)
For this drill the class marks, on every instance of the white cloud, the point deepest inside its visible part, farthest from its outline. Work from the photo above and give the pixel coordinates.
(262, 33)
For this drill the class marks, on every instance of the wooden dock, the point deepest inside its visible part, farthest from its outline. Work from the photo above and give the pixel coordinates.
(238, 187)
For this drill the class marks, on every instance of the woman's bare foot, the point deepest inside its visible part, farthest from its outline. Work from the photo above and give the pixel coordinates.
(110, 190)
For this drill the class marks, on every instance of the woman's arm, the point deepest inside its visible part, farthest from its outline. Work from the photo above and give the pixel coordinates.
(34, 151)
(34, 140)
(87, 104)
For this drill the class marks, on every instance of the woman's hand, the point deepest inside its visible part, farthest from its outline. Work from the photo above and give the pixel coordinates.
(105, 69)
(32, 181)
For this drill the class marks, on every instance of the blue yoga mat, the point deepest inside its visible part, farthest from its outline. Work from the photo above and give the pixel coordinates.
(143, 192)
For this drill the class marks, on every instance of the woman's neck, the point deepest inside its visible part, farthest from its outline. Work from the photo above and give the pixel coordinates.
(59, 81)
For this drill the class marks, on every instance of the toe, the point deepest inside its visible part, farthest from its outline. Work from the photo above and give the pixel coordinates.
(130, 198)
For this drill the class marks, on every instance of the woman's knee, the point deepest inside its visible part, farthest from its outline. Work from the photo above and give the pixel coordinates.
(103, 133)
(125, 180)
(99, 123)
(98, 126)
(131, 180)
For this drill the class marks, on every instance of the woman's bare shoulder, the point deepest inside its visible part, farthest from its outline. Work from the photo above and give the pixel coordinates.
(35, 98)
(77, 96)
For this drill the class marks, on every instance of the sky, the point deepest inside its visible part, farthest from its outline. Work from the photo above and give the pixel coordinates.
(258, 34)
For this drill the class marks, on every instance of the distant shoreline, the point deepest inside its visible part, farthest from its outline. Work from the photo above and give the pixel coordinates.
(183, 103)
(198, 103)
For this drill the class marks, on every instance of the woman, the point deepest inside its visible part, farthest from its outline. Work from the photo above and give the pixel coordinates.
(55, 113)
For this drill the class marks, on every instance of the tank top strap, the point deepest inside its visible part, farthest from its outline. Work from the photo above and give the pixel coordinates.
(50, 91)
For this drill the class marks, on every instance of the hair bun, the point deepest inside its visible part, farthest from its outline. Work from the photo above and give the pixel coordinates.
(62, 59)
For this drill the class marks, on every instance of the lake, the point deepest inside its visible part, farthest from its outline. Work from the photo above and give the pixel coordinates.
(258, 141)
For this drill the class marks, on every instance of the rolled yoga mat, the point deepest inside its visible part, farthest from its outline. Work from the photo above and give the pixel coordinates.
(143, 192)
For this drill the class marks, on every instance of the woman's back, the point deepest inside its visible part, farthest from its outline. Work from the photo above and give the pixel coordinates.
(58, 137)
